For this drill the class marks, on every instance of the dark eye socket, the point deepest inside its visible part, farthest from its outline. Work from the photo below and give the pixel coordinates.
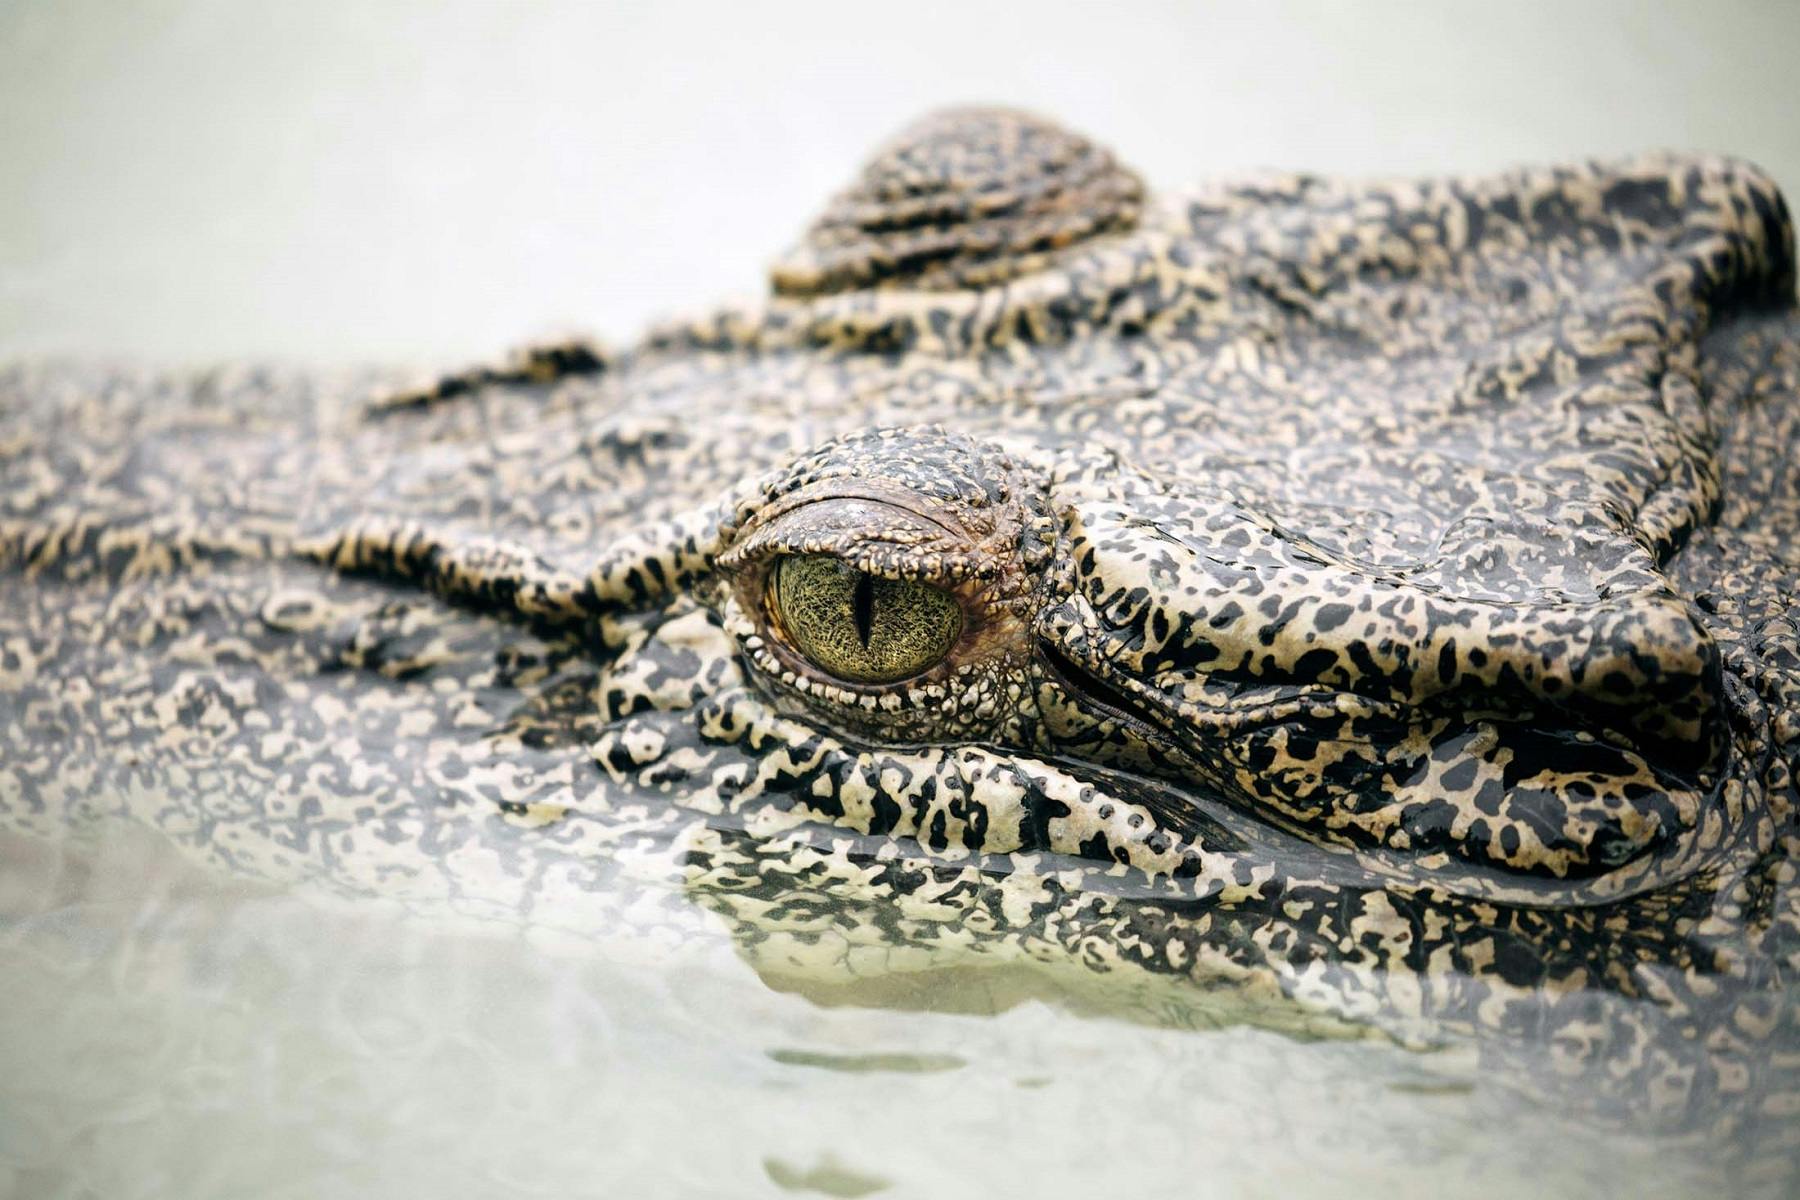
(860, 627)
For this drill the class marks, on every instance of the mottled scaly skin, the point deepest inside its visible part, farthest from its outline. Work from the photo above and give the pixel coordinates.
(1378, 600)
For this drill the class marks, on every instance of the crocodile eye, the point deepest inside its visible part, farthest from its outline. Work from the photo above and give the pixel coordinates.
(861, 627)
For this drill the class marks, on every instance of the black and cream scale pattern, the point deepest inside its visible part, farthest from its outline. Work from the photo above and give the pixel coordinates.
(1377, 602)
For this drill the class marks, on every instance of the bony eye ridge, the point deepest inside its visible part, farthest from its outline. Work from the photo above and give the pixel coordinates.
(858, 627)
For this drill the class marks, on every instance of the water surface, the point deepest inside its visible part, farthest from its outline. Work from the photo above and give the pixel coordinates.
(169, 1031)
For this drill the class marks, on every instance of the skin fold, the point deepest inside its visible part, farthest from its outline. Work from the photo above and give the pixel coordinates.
(1372, 601)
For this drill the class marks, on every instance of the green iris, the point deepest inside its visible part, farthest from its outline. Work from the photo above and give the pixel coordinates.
(861, 627)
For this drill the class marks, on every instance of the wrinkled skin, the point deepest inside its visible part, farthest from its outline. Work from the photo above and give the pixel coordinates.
(1377, 599)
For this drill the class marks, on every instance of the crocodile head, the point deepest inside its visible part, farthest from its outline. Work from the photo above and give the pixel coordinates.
(1378, 595)
(1322, 502)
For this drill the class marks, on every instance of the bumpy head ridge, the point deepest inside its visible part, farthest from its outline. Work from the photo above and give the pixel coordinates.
(966, 198)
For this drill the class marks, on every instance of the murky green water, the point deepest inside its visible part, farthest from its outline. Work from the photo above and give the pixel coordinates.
(168, 1032)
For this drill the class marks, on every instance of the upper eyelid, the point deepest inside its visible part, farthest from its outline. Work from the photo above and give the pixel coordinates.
(919, 568)
(867, 549)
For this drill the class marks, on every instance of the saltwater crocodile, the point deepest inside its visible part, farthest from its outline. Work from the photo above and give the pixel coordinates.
(1377, 597)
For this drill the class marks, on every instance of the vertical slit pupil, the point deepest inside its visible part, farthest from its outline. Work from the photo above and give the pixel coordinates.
(863, 606)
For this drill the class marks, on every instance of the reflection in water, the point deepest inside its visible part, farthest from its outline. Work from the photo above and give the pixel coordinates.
(829, 1177)
(169, 1031)
(868, 1062)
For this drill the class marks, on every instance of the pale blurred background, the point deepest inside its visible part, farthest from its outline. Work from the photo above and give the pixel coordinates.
(354, 181)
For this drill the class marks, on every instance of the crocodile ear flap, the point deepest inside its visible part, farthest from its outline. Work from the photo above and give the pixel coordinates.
(966, 198)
